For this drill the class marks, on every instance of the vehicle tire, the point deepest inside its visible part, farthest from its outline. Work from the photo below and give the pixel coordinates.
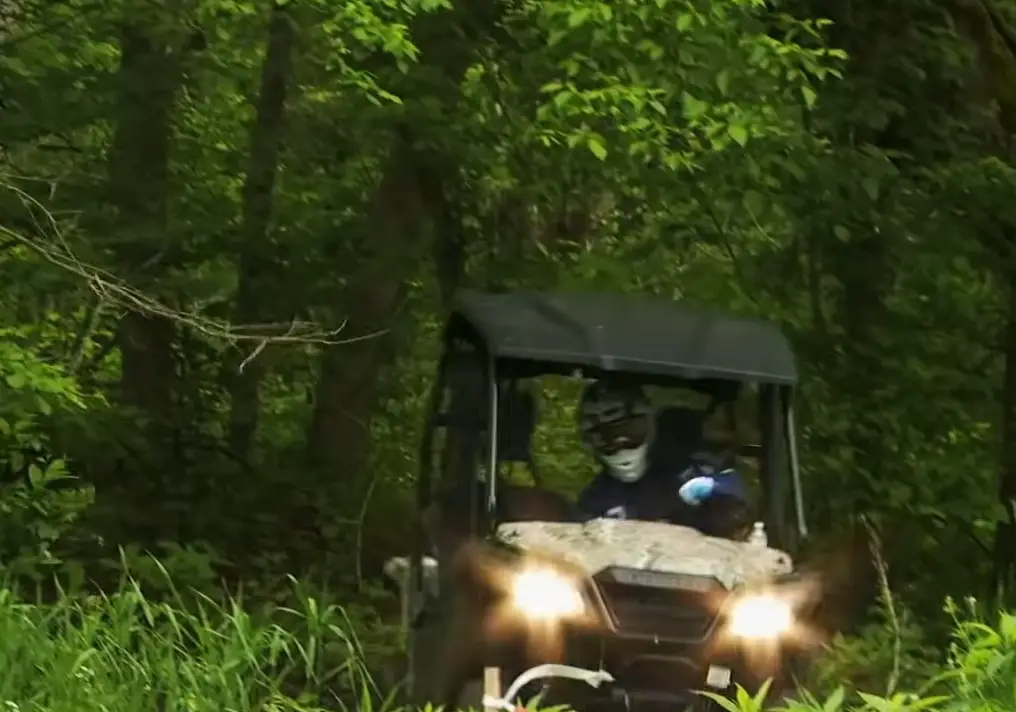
(389, 681)
(428, 676)
(471, 697)
(423, 665)
(704, 704)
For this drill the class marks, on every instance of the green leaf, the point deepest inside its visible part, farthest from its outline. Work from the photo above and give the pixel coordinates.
(723, 81)
(578, 17)
(693, 108)
(841, 233)
(760, 696)
(720, 701)
(871, 187)
(835, 701)
(684, 21)
(596, 147)
(754, 202)
(15, 380)
(810, 96)
(1007, 626)
(925, 703)
(738, 133)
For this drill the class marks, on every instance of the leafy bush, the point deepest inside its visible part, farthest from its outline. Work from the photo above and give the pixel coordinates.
(982, 666)
(978, 675)
(36, 504)
(878, 656)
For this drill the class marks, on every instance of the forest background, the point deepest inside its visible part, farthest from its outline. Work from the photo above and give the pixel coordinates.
(229, 232)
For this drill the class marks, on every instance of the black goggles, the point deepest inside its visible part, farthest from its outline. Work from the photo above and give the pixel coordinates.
(612, 437)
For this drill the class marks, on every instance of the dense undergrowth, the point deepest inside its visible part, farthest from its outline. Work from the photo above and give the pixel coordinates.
(125, 653)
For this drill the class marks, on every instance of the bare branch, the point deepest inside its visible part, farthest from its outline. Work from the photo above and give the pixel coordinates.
(115, 292)
(888, 601)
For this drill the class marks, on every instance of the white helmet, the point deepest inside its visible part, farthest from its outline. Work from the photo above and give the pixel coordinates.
(616, 422)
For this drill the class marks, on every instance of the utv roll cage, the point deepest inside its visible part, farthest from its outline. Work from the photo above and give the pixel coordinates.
(491, 341)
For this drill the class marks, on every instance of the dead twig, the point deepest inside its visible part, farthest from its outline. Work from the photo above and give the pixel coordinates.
(113, 291)
(886, 594)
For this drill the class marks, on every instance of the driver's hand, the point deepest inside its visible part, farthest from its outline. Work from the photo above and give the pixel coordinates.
(697, 490)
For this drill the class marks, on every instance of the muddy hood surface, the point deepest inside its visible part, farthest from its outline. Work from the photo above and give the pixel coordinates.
(650, 546)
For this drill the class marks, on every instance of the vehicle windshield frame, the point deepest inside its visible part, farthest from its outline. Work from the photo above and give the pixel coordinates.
(772, 477)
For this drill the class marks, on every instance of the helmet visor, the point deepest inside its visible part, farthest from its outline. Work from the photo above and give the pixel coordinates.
(615, 436)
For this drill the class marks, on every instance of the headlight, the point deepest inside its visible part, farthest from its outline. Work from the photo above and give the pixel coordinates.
(761, 616)
(544, 594)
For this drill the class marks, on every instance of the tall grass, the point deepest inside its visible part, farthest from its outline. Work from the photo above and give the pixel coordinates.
(976, 674)
(123, 653)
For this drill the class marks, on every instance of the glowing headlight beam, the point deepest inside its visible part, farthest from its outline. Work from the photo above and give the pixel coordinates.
(542, 593)
(760, 616)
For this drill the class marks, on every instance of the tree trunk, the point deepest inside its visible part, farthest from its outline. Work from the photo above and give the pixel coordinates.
(449, 245)
(346, 394)
(995, 42)
(148, 78)
(256, 293)
(1007, 482)
(863, 268)
(397, 222)
(412, 201)
(1004, 565)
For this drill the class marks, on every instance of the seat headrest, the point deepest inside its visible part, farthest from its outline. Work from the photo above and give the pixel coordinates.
(680, 419)
(516, 425)
(678, 435)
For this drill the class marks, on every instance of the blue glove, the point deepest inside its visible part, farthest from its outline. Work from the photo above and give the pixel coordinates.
(697, 490)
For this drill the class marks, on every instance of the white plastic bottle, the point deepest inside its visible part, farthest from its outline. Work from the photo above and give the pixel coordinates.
(758, 535)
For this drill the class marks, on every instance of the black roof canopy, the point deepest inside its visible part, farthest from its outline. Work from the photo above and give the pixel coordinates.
(624, 333)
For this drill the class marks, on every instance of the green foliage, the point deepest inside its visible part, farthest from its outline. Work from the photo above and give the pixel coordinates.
(667, 81)
(982, 664)
(742, 701)
(123, 653)
(37, 503)
(864, 659)
(975, 677)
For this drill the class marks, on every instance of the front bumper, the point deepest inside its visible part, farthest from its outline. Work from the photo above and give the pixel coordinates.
(649, 674)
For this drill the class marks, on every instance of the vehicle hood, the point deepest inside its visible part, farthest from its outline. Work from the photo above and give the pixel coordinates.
(651, 546)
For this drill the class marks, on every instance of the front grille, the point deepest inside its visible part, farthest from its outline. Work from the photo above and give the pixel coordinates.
(657, 612)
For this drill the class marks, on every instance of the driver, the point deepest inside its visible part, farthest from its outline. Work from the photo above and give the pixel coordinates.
(616, 422)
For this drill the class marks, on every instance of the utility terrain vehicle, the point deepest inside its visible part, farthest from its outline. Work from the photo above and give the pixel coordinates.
(503, 575)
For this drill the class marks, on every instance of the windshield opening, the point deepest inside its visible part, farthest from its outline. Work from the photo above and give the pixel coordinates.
(685, 422)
